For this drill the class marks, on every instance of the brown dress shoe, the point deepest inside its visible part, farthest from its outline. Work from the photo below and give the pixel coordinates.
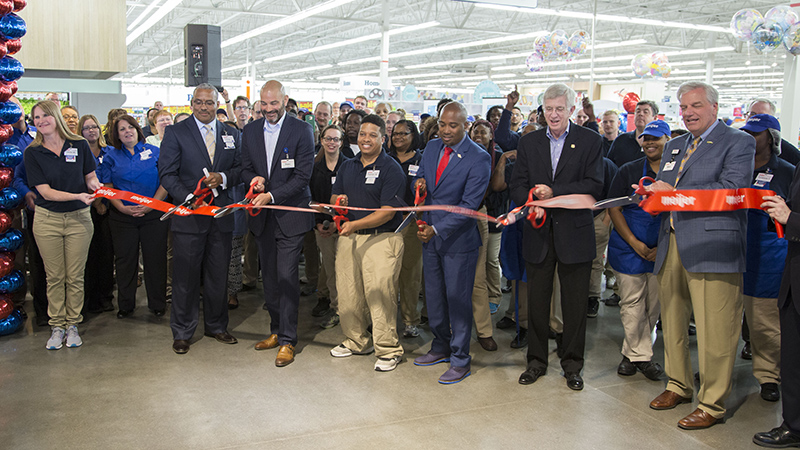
(285, 355)
(668, 400)
(488, 343)
(698, 420)
(268, 343)
(180, 346)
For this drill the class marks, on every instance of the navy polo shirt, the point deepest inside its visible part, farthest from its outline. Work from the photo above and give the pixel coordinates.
(64, 172)
(410, 167)
(384, 186)
(137, 172)
(630, 173)
(625, 149)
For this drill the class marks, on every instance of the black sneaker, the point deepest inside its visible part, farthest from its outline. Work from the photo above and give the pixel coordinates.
(505, 322)
(613, 300)
(322, 308)
(594, 307)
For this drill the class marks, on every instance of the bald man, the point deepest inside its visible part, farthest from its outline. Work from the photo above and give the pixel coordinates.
(277, 158)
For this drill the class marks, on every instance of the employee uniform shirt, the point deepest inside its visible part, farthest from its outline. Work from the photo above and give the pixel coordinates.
(381, 183)
(410, 168)
(64, 172)
(321, 184)
(137, 172)
(625, 149)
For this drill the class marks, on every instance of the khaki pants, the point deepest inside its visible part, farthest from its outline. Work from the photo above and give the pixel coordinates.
(410, 276)
(480, 292)
(493, 272)
(764, 321)
(638, 309)
(327, 249)
(250, 266)
(602, 232)
(367, 270)
(63, 240)
(716, 300)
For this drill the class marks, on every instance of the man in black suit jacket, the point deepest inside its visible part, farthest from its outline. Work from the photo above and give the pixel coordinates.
(561, 159)
(278, 158)
(200, 242)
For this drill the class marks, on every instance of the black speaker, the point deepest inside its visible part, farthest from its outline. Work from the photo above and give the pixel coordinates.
(203, 55)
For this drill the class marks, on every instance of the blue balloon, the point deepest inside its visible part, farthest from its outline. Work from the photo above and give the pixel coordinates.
(11, 240)
(11, 282)
(12, 26)
(10, 113)
(10, 69)
(9, 198)
(10, 155)
(11, 323)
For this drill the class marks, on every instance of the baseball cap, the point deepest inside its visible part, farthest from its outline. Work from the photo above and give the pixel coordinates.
(350, 104)
(470, 118)
(656, 128)
(761, 122)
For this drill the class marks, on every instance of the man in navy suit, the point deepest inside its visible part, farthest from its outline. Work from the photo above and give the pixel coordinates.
(455, 171)
(278, 158)
(558, 160)
(200, 242)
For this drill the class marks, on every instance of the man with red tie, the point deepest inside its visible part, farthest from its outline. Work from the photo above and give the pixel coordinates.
(454, 171)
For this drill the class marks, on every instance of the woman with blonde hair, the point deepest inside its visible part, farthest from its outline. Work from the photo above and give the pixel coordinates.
(61, 169)
(162, 119)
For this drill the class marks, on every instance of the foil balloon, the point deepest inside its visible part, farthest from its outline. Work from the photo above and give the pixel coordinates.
(576, 45)
(11, 324)
(783, 16)
(10, 155)
(629, 102)
(585, 35)
(6, 131)
(10, 69)
(11, 282)
(766, 39)
(6, 6)
(9, 198)
(19, 4)
(6, 306)
(12, 26)
(535, 62)
(13, 86)
(558, 40)
(791, 39)
(5, 221)
(13, 46)
(5, 92)
(10, 113)
(6, 263)
(6, 177)
(11, 240)
(745, 22)
(641, 64)
(3, 48)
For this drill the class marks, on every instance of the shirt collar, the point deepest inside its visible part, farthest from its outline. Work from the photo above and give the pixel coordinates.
(563, 135)
(708, 131)
(457, 148)
(270, 128)
(200, 125)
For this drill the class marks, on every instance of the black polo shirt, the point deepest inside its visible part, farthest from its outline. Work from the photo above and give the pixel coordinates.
(627, 175)
(322, 180)
(384, 186)
(64, 172)
(625, 149)
(410, 167)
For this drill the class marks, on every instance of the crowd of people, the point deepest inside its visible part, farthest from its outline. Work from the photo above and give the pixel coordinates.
(684, 273)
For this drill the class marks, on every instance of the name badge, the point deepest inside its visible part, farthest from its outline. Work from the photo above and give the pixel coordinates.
(370, 180)
(764, 177)
(675, 151)
(145, 155)
(287, 164)
(71, 158)
(229, 142)
(669, 166)
(412, 170)
(373, 173)
(71, 152)
(333, 180)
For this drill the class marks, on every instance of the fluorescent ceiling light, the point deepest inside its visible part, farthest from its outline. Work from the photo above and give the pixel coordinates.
(354, 74)
(236, 67)
(163, 10)
(167, 65)
(478, 77)
(422, 75)
(468, 60)
(280, 23)
(304, 69)
(144, 14)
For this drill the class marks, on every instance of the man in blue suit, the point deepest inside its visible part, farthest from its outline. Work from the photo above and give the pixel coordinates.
(455, 171)
(278, 157)
(200, 242)
(701, 257)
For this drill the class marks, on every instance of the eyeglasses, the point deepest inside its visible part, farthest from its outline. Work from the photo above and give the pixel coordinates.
(242, 108)
(209, 103)
(558, 109)
(399, 133)
(90, 128)
(69, 117)
(331, 139)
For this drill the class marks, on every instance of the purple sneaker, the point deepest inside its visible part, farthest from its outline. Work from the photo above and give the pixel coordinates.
(430, 359)
(454, 375)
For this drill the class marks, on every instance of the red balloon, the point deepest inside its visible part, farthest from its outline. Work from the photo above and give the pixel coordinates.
(6, 263)
(629, 102)
(5, 92)
(5, 132)
(13, 46)
(6, 177)
(19, 4)
(13, 85)
(6, 6)
(5, 222)
(6, 306)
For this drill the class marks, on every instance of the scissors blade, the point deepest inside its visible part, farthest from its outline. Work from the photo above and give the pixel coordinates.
(172, 210)
(619, 201)
(411, 216)
(322, 209)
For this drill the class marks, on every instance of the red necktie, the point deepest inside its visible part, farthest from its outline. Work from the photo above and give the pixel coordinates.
(443, 163)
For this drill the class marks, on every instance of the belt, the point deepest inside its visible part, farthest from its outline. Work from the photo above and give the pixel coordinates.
(372, 232)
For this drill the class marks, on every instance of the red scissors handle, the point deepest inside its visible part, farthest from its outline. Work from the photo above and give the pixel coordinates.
(641, 190)
(250, 196)
(419, 199)
(342, 217)
(201, 193)
(532, 214)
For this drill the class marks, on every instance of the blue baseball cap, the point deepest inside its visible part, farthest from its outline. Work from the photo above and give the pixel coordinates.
(470, 118)
(761, 122)
(350, 104)
(656, 128)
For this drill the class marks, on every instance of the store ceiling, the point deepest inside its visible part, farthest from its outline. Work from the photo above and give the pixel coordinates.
(471, 42)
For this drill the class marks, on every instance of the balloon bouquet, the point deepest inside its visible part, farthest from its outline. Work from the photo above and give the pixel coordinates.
(12, 28)
(557, 46)
(778, 26)
(655, 64)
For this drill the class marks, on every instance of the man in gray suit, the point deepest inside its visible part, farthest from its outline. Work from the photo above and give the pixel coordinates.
(701, 257)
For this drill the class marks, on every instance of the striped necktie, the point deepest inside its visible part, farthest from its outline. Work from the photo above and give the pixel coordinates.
(211, 141)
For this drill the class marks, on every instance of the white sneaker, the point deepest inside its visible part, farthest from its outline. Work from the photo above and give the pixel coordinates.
(73, 338)
(411, 331)
(387, 364)
(56, 339)
(340, 351)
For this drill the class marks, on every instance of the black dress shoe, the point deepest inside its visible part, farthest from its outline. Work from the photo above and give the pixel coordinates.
(594, 307)
(521, 339)
(159, 312)
(42, 321)
(322, 308)
(747, 352)
(224, 337)
(505, 322)
(531, 375)
(123, 313)
(692, 330)
(779, 437)
(651, 370)
(613, 300)
(770, 392)
(626, 367)
(180, 346)
(574, 381)
(488, 343)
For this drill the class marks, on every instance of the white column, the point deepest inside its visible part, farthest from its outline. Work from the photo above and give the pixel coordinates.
(789, 114)
(385, 49)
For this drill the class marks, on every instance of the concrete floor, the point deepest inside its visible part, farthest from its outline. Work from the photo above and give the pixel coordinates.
(126, 389)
